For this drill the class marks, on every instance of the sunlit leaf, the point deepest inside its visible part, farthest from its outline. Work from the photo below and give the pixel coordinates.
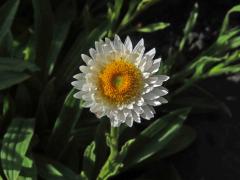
(183, 139)
(89, 159)
(28, 171)
(156, 137)
(153, 27)
(225, 25)
(52, 170)
(189, 26)
(15, 145)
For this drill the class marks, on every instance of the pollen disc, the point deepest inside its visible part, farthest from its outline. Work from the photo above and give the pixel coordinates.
(120, 82)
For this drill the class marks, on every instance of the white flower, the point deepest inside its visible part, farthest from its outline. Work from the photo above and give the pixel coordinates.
(120, 81)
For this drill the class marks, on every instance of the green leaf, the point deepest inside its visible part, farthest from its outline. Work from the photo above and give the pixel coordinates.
(45, 105)
(52, 170)
(101, 149)
(89, 159)
(235, 9)
(43, 20)
(216, 71)
(8, 79)
(7, 13)
(153, 27)
(63, 20)
(189, 26)
(15, 145)
(13, 71)
(114, 10)
(6, 46)
(184, 138)
(124, 150)
(64, 125)
(156, 137)
(16, 65)
(135, 8)
(29, 171)
(200, 66)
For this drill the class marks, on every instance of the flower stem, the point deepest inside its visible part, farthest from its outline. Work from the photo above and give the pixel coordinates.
(112, 142)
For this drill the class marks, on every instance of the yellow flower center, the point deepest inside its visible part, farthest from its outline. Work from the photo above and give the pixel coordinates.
(120, 82)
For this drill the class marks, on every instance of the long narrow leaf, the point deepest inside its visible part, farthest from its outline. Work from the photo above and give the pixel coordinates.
(7, 13)
(64, 125)
(156, 137)
(60, 30)
(44, 31)
(15, 145)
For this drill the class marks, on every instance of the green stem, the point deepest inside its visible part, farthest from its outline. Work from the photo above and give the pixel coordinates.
(112, 142)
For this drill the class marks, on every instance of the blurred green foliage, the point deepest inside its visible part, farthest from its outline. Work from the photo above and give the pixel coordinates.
(45, 133)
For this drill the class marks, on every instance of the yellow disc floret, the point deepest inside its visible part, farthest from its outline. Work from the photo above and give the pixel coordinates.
(120, 82)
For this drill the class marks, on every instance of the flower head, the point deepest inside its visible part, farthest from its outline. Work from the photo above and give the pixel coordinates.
(120, 81)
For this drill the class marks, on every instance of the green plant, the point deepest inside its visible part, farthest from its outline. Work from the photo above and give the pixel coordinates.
(45, 132)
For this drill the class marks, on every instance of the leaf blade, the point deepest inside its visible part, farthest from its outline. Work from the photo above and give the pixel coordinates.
(15, 145)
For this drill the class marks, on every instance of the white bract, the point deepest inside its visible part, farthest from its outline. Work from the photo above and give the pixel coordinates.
(120, 82)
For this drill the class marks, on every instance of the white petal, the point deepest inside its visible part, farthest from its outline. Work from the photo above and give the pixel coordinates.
(126, 112)
(128, 44)
(136, 117)
(78, 76)
(148, 114)
(114, 121)
(152, 109)
(141, 64)
(146, 75)
(148, 63)
(86, 58)
(93, 53)
(157, 80)
(98, 46)
(100, 114)
(130, 106)
(120, 116)
(94, 108)
(163, 77)
(139, 48)
(138, 109)
(151, 96)
(87, 104)
(107, 49)
(87, 97)
(140, 102)
(154, 102)
(159, 91)
(155, 66)
(148, 89)
(129, 120)
(163, 100)
(118, 43)
(84, 69)
(151, 53)
(78, 84)
(163, 89)
(79, 94)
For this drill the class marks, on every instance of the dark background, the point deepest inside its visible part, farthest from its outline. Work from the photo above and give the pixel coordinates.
(215, 155)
